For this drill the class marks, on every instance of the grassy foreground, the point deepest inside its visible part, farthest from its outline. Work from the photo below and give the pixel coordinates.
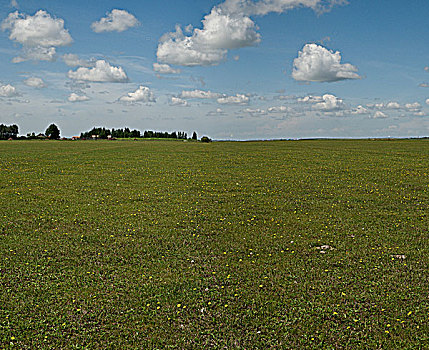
(174, 245)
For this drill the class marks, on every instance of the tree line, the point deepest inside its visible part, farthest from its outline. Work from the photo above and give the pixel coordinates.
(53, 132)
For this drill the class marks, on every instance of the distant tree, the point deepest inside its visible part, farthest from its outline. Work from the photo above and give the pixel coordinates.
(53, 132)
(206, 139)
(194, 136)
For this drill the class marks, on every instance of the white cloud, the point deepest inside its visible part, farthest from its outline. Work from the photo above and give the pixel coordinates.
(238, 99)
(427, 69)
(177, 101)
(39, 35)
(35, 82)
(77, 98)
(165, 69)
(427, 101)
(254, 112)
(200, 94)
(330, 103)
(14, 3)
(380, 115)
(117, 20)
(142, 94)
(413, 107)
(279, 109)
(8, 91)
(359, 110)
(227, 26)
(217, 112)
(310, 99)
(425, 85)
(393, 105)
(318, 64)
(102, 72)
(73, 60)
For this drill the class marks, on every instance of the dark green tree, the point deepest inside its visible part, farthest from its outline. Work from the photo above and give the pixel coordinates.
(194, 136)
(53, 132)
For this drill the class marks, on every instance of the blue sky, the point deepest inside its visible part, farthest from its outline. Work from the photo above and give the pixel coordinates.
(243, 69)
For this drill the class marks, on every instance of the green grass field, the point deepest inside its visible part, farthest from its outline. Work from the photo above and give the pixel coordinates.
(174, 245)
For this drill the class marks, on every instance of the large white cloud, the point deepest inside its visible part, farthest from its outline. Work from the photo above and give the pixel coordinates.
(238, 99)
(318, 64)
(142, 94)
(228, 26)
(35, 82)
(413, 107)
(165, 69)
(117, 20)
(200, 94)
(8, 91)
(330, 103)
(39, 34)
(102, 72)
(73, 60)
(77, 98)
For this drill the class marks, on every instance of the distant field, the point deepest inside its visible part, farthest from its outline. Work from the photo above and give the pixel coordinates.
(175, 245)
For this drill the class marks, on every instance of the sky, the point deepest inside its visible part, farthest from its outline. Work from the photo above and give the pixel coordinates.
(232, 69)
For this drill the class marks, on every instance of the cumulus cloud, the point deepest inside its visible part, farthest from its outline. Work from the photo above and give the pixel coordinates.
(102, 72)
(427, 69)
(310, 99)
(279, 109)
(330, 103)
(318, 64)
(425, 85)
(427, 101)
(142, 94)
(77, 98)
(73, 60)
(380, 115)
(177, 101)
(200, 94)
(359, 110)
(227, 26)
(117, 20)
(8, 91)
(35, 82)
(165, 69)
(413, 107)
(393, 105)
(238, 99)
(39, 35)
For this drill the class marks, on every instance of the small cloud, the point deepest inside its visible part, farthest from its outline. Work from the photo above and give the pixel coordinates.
(177, 101)
(217, 112)
(102, 72)
(236, 58)
(117, 20)
(77, 98)
(427, 69)
(35, 83)
(238, 99)
(393, 105)
(330, 103)
(318, 64)
(254, 112)
(14, 4)
(8, 91)
(359, 110)
(379, 115)
(424, 85)
(427, 101)
(200, 94)
(165, 69)
(142, 94)
(73, 60)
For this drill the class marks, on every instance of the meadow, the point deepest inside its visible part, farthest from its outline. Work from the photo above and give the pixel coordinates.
(229, 245)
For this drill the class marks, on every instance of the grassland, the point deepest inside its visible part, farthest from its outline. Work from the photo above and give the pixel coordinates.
(174, 245)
